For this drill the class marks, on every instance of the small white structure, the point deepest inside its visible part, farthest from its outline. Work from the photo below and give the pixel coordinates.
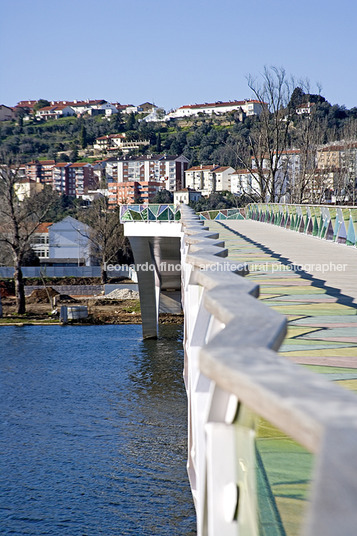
(185, 196)
(109, 109)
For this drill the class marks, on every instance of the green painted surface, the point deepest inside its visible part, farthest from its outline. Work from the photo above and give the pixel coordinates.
(322, 331)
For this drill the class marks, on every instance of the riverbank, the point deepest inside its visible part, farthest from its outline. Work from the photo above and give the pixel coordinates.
(101, 310)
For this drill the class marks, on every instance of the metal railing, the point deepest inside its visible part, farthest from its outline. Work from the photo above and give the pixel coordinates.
(149, 213)
(337, 224)
(243, 398)
(223, 214)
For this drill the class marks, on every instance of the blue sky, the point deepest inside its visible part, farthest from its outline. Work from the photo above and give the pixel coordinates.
(172, 52)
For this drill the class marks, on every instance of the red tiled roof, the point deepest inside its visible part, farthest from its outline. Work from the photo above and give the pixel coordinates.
(220, 104)
(221, 169)
(53, 108)
(202, 168)
(110, 136)
(43, 227)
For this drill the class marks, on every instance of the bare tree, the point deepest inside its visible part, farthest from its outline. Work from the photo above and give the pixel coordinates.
(269, 134)
(106, 234)
(348, 164)
(19, 220)
(308, 136)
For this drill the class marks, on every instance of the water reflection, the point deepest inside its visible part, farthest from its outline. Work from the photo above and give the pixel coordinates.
(93, 438)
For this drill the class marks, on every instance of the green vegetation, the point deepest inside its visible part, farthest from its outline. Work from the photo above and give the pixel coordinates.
(209, 140)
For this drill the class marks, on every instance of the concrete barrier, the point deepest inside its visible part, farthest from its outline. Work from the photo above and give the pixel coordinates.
(231, 372)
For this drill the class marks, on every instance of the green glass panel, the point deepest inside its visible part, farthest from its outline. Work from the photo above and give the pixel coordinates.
(162, 208)
(135, 208)
(275, 475)
(154, 209)
(351, 234)
(164, 216)
(151, 216)
(284, 475)
(178, 215)
(126, 216)
(145, 214)
(315, 230)
(136, 216)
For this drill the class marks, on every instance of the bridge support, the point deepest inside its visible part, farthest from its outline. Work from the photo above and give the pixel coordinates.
(156, 250)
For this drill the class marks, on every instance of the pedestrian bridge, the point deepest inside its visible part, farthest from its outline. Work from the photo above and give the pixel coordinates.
(270, 362)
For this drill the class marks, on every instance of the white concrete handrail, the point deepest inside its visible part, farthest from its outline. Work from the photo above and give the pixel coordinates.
(231, 339)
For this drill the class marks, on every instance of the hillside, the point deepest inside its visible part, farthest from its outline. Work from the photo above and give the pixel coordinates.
(201, 139)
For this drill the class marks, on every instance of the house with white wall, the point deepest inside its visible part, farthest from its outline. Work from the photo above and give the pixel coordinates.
(55, 111)
(209, 179)
(186, 195)
(248, 107)
(70, 244)
(244, 181)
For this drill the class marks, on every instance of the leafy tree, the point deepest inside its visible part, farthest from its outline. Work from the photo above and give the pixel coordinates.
(20, 113)
(158, 143)
(130, 121)
(42, 103)
(162, 197)
(83, 139)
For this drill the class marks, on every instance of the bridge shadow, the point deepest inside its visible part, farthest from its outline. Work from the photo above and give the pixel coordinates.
(314, 281)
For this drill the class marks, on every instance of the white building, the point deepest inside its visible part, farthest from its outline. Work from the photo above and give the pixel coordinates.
(109, 109)
(40, 240)
(244, 182)
(185, 196)
(248, 107)
(55, 111)
(165, 169)
(209, 179)
(115, 142)
(69, 243)
(288, 173)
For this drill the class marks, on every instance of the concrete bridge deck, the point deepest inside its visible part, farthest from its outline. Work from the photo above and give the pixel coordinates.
(319, 301)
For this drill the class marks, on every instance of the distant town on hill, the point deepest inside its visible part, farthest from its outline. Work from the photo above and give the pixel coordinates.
(308, 152)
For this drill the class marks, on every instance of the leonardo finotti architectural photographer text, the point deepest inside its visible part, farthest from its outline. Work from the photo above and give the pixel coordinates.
(231, 267)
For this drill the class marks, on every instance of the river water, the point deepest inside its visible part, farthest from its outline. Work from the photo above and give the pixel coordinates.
(93, 432)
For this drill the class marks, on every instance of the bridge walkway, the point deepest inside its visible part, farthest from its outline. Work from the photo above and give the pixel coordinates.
(321, 306)
(322, 336)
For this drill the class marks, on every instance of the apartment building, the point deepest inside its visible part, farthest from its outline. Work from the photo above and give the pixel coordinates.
(208, 179)
(40, 171)
(245, 181)
(131, 192)
(80, 179)
(60, 177)
(168, 170)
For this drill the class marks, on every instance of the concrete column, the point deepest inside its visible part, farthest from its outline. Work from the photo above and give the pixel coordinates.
(149, 294)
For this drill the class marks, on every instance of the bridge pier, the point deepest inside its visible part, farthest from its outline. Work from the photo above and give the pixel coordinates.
(156, 250)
